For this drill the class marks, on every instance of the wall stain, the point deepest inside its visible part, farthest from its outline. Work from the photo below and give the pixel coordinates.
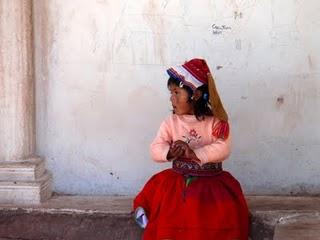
(219, 67)
(310, 62)
(280, 100)
(114, 175)
(301, 92)
(237, 15)
(238, 44)
(102, 1)
(239, 6)
(155, 20)
(43, 31)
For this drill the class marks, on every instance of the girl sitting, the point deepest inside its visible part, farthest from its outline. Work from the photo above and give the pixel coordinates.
(195, 199)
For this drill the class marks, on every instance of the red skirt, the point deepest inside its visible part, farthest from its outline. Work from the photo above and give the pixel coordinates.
(207, 208)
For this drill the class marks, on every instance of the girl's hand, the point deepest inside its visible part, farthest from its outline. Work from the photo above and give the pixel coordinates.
(187, 151)
(175, 151)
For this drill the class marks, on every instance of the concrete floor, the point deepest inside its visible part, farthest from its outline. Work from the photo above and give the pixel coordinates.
(105, 217)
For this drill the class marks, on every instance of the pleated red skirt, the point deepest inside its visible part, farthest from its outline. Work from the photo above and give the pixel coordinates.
(209, 208)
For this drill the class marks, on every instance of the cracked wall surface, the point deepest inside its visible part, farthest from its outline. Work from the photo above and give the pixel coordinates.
(101, 88)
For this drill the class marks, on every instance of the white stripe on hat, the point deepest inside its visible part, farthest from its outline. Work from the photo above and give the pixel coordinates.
(188, 79)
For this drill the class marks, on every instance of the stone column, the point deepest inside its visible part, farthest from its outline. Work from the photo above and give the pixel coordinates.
(23, 178)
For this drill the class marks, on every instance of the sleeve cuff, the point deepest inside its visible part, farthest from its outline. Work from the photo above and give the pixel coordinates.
(165, 153)
(201, 155)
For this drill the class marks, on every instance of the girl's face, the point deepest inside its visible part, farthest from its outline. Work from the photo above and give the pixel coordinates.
(179, 99)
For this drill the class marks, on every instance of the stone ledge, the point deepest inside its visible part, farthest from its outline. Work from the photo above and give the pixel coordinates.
(25, 181)
(26, 192)
(22, 170)
(284, 217)
(101, 218)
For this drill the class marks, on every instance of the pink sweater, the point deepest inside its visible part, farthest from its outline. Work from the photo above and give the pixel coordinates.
(198, 134)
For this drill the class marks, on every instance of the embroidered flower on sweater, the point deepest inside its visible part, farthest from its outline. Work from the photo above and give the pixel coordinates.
(192, 136)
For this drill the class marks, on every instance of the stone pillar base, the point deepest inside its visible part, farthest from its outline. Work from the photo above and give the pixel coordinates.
(24, 182)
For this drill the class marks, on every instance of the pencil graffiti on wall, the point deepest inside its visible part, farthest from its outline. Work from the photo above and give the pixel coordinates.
(219, 29)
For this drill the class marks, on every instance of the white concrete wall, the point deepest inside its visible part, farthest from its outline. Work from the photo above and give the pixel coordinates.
(101, 87)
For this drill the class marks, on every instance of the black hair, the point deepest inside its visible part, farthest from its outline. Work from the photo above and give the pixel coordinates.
(201, 107)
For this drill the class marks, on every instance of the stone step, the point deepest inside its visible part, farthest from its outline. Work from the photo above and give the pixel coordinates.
(298, 226)
(109, 218)
(70, 217)
(284, 217)
(27, 170)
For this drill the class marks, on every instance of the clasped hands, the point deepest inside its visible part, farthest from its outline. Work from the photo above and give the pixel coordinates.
(181, 149)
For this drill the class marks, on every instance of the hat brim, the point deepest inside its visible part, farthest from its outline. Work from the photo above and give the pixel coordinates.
(181, 74)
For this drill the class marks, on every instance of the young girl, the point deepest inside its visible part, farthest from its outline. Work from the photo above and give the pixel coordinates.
(195, 199)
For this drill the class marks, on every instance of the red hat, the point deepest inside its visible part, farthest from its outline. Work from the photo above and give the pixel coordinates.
(198, 69)
(195, 73)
